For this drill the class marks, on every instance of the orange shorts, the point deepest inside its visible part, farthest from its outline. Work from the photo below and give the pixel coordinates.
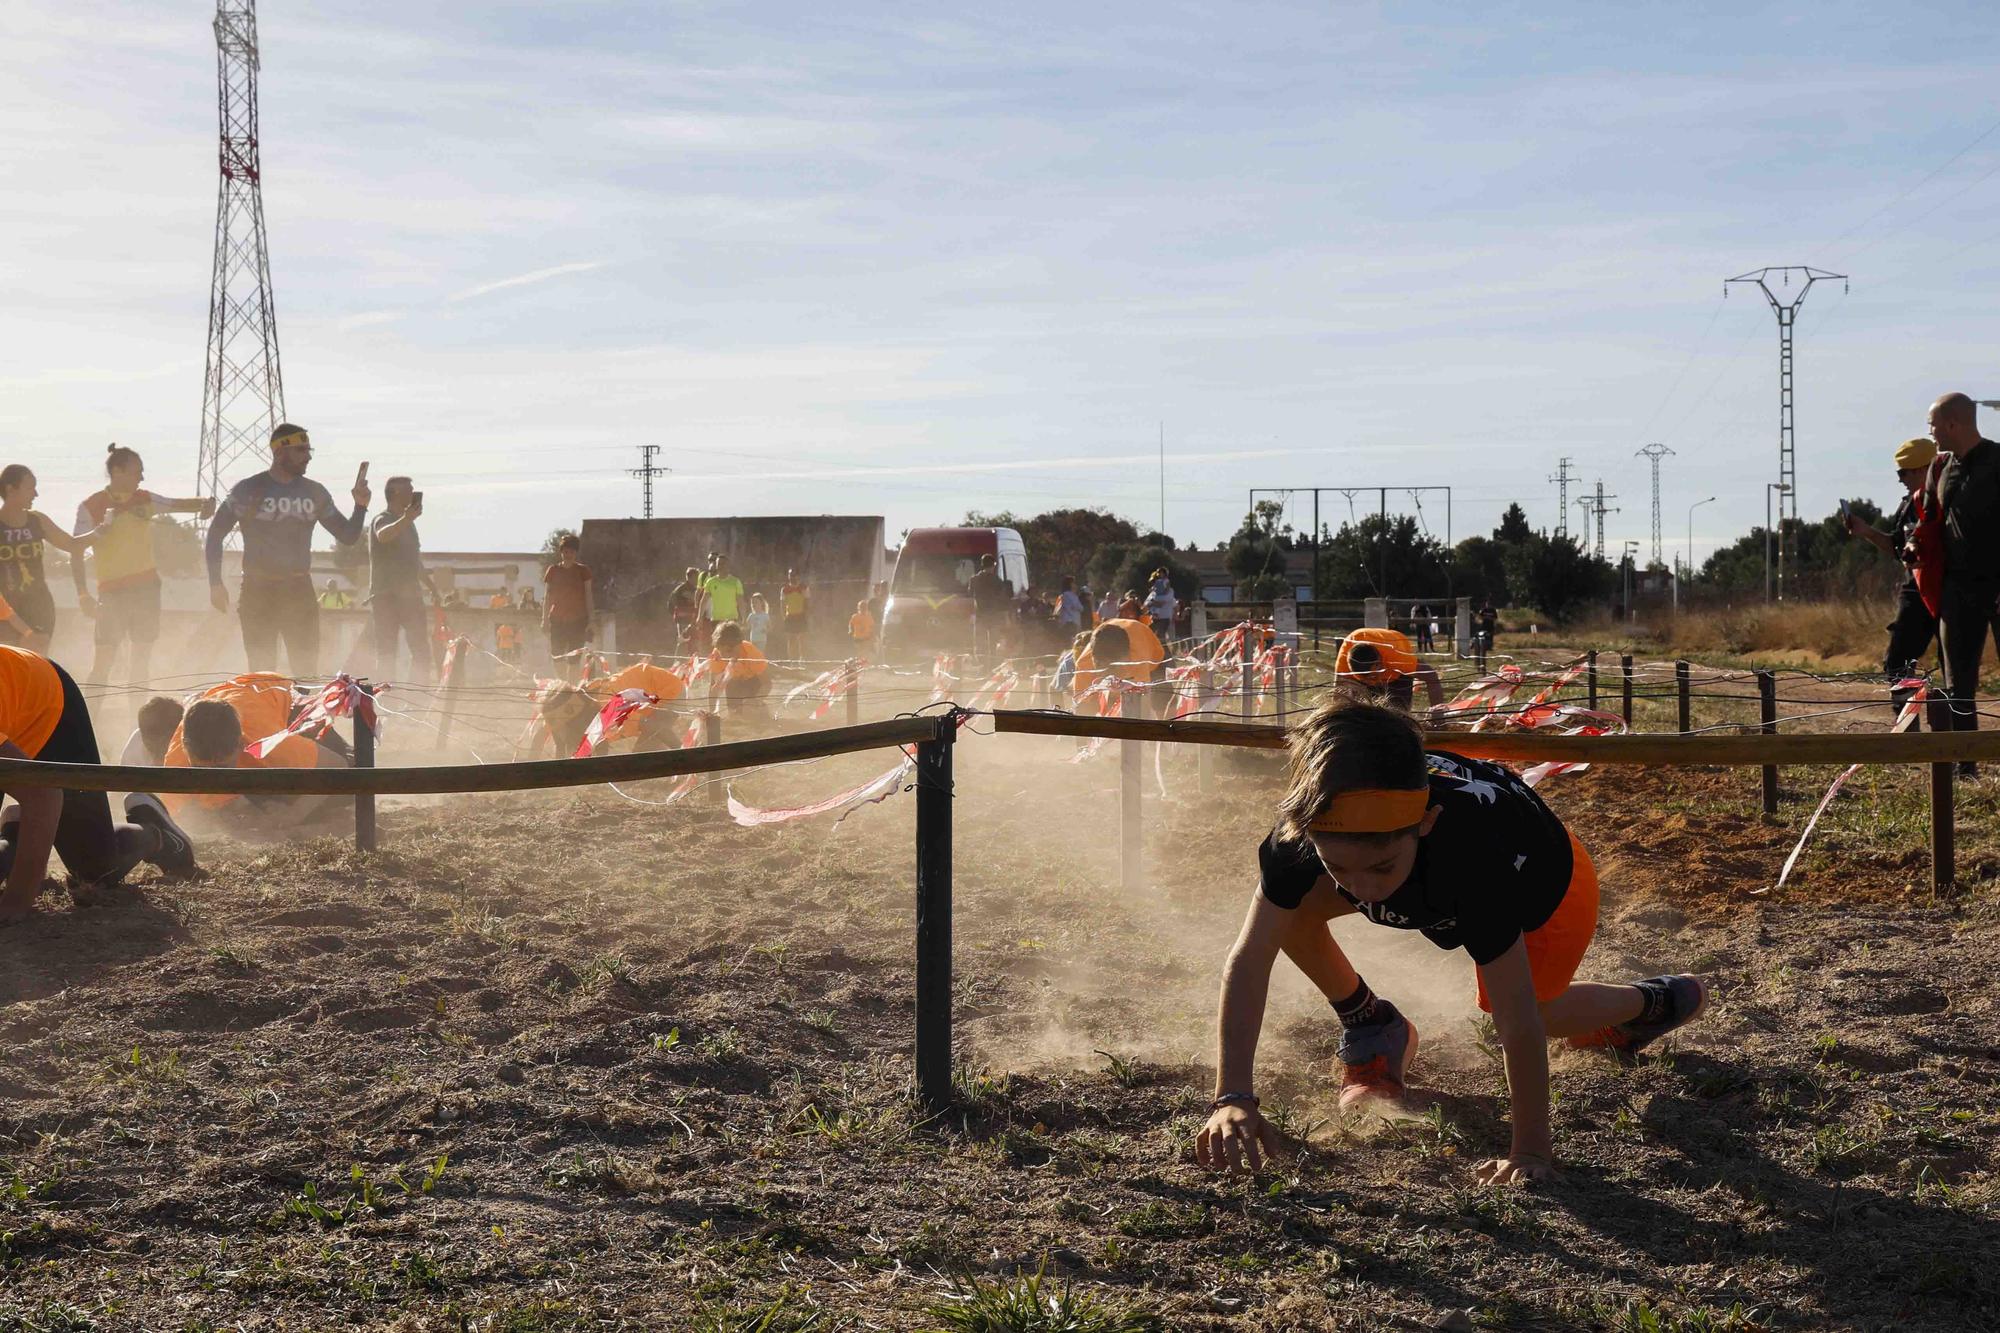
(1556, 947)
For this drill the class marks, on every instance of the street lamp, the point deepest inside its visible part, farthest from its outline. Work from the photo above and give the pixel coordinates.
(1688, 563)
(1626, 560)
(1781, 488)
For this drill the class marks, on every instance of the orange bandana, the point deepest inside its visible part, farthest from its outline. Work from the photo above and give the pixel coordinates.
(1373, 810)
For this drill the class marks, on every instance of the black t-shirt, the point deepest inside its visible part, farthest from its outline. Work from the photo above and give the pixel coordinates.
(1494, 866)
(1969, 497)
(1901, 524)
(22, 582)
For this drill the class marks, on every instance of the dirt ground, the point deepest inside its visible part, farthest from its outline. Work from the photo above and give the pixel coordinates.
(567, 1061)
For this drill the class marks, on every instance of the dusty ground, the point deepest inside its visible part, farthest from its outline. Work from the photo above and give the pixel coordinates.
(569, 1062)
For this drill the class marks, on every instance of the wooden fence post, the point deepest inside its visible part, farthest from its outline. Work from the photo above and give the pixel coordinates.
(1944, 849)
(1131, 808)
(934, 796)
(455, 654)
(1246, 691)
(1590, 675)
(711, 734)
(364, 757)
(1767, 708)
(1681, 690)
(1625, 684)
(1204, 756)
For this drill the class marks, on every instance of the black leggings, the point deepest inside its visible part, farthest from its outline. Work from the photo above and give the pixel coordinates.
(1965, 613)
(95, 849)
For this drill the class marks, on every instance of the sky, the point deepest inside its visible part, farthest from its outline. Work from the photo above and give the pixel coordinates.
(912, 260)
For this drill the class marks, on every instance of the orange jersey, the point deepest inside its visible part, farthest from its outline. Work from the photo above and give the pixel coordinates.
(1147, 655)
(662, 684)
(263, 704)
(748, 664)
(31, 700)
(861, 627)
(1398, 657)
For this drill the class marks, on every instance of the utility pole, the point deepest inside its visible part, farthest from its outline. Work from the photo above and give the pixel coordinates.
(1787, 312)
(1653, 453)
(1561, 479)
(243, 391)
(1594, 504)
(646, 471)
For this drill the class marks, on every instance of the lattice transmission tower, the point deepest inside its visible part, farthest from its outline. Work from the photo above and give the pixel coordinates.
(1787, 312)
(1562, 479)
(1593, 505)
(646, 471)
(1653, 453)
(243, 391)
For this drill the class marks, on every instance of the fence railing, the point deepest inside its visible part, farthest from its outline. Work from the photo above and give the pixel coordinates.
(933, 739)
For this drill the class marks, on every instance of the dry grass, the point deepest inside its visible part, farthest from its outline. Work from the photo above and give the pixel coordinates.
(1847, 634)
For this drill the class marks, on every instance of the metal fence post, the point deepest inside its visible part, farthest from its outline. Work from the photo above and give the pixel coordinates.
(1681, 690)
(1590, 676)
(1246, 688)
(364, 757)
(1944, 850)
(1767, 708)
(854, 699)
(933, 1035)
(1625, 684)
(1204, 755)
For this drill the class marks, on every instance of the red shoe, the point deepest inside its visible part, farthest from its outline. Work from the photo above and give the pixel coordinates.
(1374, 1061)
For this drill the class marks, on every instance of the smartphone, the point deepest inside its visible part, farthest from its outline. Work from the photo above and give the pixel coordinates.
(417, 498)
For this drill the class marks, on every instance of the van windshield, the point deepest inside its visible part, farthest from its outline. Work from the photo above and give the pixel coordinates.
(933, 572)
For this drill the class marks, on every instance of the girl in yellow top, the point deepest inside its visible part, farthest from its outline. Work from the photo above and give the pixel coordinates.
(42, 716)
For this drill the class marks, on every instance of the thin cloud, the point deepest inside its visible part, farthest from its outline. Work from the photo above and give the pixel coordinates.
(1012, 465)
(525, 279)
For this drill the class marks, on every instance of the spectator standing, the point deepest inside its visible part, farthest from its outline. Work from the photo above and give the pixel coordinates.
(1107, 607)
(277, 511)
(1069, 607)
(1968, 497)
(1914, 627)
(683, 605)
(333, 599)
(120, 521)
(1420, 618)
(861, 630)
(397, 581)
(722, 593)
(758, 623)
(528, 602)
(1160, 602)
(568, 604)
(1130, 607)
(991, 599)
(23, 531)
(793, 602)
(1489, 622)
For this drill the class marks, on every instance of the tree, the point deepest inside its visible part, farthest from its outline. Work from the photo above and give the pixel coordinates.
(1513, 527)
(1382, 556)
(1128, 567)
(1561, 577)
(553, 541)
(1479, 567)
(1062, 542)
(1261, 544)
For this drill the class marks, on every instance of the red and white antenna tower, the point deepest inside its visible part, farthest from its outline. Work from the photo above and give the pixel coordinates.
(243, 391)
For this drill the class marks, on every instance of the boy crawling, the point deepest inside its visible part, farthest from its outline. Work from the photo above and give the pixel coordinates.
(213, 732)
(1460, 850)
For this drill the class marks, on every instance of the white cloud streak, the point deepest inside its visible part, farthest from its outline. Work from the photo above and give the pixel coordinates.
(525, 280)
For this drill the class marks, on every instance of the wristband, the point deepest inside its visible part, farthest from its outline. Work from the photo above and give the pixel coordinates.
(1248, 1099)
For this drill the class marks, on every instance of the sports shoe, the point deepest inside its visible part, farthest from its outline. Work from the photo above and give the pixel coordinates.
(1686, 997)
(176, 853)
(1375, 1058)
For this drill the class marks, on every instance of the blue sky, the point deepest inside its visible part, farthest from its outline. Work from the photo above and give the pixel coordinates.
(913, 259)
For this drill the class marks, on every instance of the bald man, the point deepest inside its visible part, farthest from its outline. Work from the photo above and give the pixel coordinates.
(1968, 495)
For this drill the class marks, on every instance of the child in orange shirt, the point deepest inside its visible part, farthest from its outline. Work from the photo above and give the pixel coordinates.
(861, 628)
(736, 669)
(239, 712)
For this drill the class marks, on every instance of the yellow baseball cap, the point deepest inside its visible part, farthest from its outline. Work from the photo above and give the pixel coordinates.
(1915, 453)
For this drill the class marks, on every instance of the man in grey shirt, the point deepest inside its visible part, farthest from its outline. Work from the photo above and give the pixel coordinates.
(277, 511)
(396, 582)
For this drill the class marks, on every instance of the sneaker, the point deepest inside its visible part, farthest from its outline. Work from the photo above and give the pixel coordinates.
(1374, 1060)
(176, 853)
(1686, 995)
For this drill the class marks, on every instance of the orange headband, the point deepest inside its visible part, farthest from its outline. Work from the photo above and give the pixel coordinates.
(1373, 810)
